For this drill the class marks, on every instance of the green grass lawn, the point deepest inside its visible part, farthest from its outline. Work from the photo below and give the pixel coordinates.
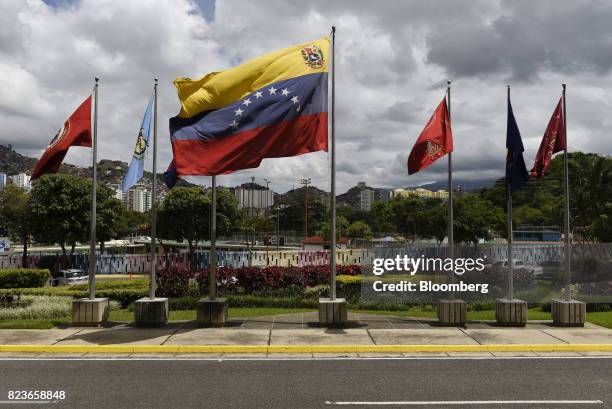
(600, 318)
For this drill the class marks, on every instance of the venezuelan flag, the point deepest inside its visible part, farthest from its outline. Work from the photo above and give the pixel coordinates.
(270, 107)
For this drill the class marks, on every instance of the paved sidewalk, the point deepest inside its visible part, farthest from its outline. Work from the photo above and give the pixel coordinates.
(300, 333)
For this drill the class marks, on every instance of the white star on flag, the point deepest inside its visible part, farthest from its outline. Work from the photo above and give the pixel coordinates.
(239, 111)
(285, 92)
(295, 99)
(246, 102)
(258, 95)
(234, 124)
(272, 90)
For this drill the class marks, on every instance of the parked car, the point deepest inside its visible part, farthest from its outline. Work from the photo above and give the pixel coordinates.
(519, 264)
(70, 276)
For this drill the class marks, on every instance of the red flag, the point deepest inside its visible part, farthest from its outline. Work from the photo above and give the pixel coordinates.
(553, 141)
(435, 141)
(75, 132)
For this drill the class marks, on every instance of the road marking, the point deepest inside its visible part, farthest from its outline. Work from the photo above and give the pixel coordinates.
(301, 358)
(468, 402)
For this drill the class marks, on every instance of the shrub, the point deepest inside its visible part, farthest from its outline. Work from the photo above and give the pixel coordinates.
(124, 296)
(270, 281)
(38, 307)
(173, 282)
(24, 278)
(349, 287)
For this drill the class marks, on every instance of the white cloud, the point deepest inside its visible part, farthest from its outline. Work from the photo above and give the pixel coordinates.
(393, 59)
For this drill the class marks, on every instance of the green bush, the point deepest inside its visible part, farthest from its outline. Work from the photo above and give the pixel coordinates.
(24, 277)
(349, 287)
(124, 296)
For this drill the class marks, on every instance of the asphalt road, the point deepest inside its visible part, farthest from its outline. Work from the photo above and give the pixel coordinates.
(314, 383)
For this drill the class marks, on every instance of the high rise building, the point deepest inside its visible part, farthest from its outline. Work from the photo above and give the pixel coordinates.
(420, 192)
(21, 180)
(137, 199)
(367, 197)
(254, 198)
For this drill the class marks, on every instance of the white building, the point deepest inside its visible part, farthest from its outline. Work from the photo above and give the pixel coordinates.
(2, 180)
(254, 198)
(366, 199)
(21, 180)
(138, 199)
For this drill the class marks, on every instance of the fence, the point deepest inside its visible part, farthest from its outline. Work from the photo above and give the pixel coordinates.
(141, 263)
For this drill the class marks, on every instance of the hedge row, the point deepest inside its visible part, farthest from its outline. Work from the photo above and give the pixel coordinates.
(248, 280)
(24, 277)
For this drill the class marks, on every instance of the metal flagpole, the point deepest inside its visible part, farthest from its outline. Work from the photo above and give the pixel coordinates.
(568, 256)
(509, 214)
(212, 272)
(451, 242)
(152, 284)
(333, 168)
(92, 239)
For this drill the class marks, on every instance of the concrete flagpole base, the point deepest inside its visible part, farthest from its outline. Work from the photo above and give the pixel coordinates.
(151, 312)
(90, 313)
(332, 312)
(568, 313)
(452, 313)
(212, 312)
(511, 313)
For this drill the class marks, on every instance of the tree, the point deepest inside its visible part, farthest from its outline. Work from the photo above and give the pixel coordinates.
(15, 217)
(108, 213)
(342, 226)
(359, 230)
(404, 214)
(292, 216)
(184, 215)
(60, 210)
(130, 222)
(381, 217)
(433, 221)
(475, 219)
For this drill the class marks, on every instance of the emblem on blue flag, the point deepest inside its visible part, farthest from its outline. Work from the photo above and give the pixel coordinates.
(136, 168)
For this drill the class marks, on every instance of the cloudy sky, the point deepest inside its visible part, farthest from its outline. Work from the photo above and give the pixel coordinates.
(393, 60)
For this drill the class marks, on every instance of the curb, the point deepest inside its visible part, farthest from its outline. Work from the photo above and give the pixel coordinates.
(291, 349)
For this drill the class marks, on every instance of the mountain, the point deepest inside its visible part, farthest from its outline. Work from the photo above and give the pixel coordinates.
(297, 196)
(352, 197)
(468, 185)
(13, 163)
(110, 171)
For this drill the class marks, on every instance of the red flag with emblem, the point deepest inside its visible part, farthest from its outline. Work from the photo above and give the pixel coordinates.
(553, 141)
(435, 141)
(75, 132)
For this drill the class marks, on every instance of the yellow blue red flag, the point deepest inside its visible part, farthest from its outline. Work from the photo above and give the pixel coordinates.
(272, 106)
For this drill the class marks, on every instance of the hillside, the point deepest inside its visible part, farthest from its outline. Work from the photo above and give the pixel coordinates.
(109, 171)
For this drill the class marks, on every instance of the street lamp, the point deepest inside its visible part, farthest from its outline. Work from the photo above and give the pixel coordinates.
(305, 182)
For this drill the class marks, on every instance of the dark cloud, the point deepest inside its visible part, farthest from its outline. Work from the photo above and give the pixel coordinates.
(393, 60)
(527, 38)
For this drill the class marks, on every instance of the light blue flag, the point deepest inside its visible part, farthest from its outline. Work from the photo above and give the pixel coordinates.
(134, 173)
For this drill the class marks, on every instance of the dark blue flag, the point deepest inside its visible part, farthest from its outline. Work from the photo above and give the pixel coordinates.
(170, 176)
(516, 171)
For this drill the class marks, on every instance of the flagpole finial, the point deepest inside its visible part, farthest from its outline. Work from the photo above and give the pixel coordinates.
(156, 80)
(333, 29)
(448, 82)
(563, 85)
(97, 79)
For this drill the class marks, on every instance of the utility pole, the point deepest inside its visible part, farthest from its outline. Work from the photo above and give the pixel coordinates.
(266, 233)
(305, 182)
